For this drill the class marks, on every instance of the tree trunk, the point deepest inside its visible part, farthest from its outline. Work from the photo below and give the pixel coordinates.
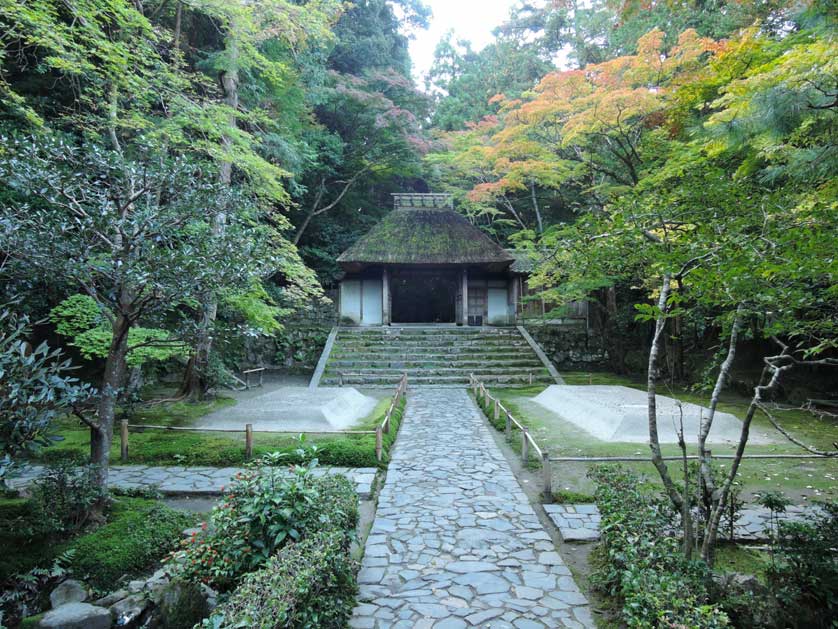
(113, 380)
(651, 394)
(538, 220)
(195, 381)
(709, 544)
(707, 486)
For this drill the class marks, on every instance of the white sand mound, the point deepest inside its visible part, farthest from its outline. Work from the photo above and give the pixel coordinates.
(295, 408)
(620, 414)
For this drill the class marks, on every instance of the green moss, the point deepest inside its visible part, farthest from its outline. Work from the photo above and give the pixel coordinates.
(809, 478)
(157, 447)
(741, 559)
(32, 622)
(425, 236)
(138, 534)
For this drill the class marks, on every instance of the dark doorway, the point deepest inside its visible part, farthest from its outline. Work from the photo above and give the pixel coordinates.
(424, 296)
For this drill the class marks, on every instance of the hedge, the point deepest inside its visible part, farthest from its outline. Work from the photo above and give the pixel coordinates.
(307, 584)
(643, 564)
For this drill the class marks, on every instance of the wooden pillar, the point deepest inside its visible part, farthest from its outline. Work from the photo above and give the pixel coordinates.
(385, 297)
(248, 441)
(525, 445)
(123, 441)
(465, 296)
(547, 477)
(513, 299)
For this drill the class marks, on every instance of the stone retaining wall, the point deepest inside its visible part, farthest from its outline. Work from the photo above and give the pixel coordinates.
(570, 346)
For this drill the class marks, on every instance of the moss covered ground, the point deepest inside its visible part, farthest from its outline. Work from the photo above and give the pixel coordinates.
(159, 447)
(802, 480)
(138, 533)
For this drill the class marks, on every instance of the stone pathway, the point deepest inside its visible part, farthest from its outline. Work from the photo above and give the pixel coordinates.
(580, 523)
(193, 480)
(455, 542)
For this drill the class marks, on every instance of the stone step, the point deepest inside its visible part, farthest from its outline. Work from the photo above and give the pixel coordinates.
(422, 343)
(382, 380)
(409, 331)
(420, 362)
(443, 371)
(443, 356)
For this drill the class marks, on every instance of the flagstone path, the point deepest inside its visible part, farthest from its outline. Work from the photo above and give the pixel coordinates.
(455, 542)
(193, 480)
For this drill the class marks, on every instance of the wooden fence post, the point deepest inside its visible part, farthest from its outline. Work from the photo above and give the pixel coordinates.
(248, 441)
(387, 420)
(590, 378)
(123, 441)
(547, 475)
(497, 409)
(379, 444)
(525, 445)
(530, 379)
(340, 378)
(508, 425)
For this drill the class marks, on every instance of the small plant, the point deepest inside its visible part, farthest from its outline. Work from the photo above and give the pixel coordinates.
(804, 576)
(22, 595)
(776, 502)
(63, 499)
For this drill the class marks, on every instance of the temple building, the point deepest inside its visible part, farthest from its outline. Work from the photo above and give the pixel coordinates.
(424, 263)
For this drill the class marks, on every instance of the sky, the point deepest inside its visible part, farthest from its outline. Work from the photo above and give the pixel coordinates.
(472, 20)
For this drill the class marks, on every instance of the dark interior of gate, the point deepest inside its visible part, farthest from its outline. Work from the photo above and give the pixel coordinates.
(424, 296)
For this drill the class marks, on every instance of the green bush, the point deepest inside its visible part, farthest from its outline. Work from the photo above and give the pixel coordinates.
(804, 574)
(262, 511)
(138, 534)
(62, 499)
(644, 566)
(310, 584)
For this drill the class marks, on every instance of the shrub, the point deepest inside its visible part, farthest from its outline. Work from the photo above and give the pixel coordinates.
(804, 574)
(307, 584)
(62, 499)
(644, 566)
(262, 511)
(138, 534)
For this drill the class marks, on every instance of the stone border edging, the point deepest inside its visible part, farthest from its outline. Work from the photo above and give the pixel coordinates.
(324, 358)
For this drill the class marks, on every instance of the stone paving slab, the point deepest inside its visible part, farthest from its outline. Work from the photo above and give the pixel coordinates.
(580, 522)
(455, 542)
(194, 480)
(576, 523)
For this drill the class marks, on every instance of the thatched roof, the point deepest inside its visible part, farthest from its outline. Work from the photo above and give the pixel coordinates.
(425, 236)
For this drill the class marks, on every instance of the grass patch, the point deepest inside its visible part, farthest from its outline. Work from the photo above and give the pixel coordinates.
(562, 496)
(158, 447)
(803, 479)
(741, 559)
(137, 534)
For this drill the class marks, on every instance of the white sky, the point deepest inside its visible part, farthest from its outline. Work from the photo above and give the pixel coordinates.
(472, 20)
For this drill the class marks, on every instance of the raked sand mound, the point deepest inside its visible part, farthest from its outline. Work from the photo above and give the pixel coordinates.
(620, 414)
(295, 408)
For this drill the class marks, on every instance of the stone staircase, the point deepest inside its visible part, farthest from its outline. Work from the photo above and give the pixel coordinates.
(432, 355)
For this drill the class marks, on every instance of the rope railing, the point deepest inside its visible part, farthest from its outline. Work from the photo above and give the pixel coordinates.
(382, 429)
(498, 410)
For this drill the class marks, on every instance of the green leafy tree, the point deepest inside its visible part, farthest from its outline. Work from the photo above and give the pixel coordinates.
(140, 251)
(35, 386)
